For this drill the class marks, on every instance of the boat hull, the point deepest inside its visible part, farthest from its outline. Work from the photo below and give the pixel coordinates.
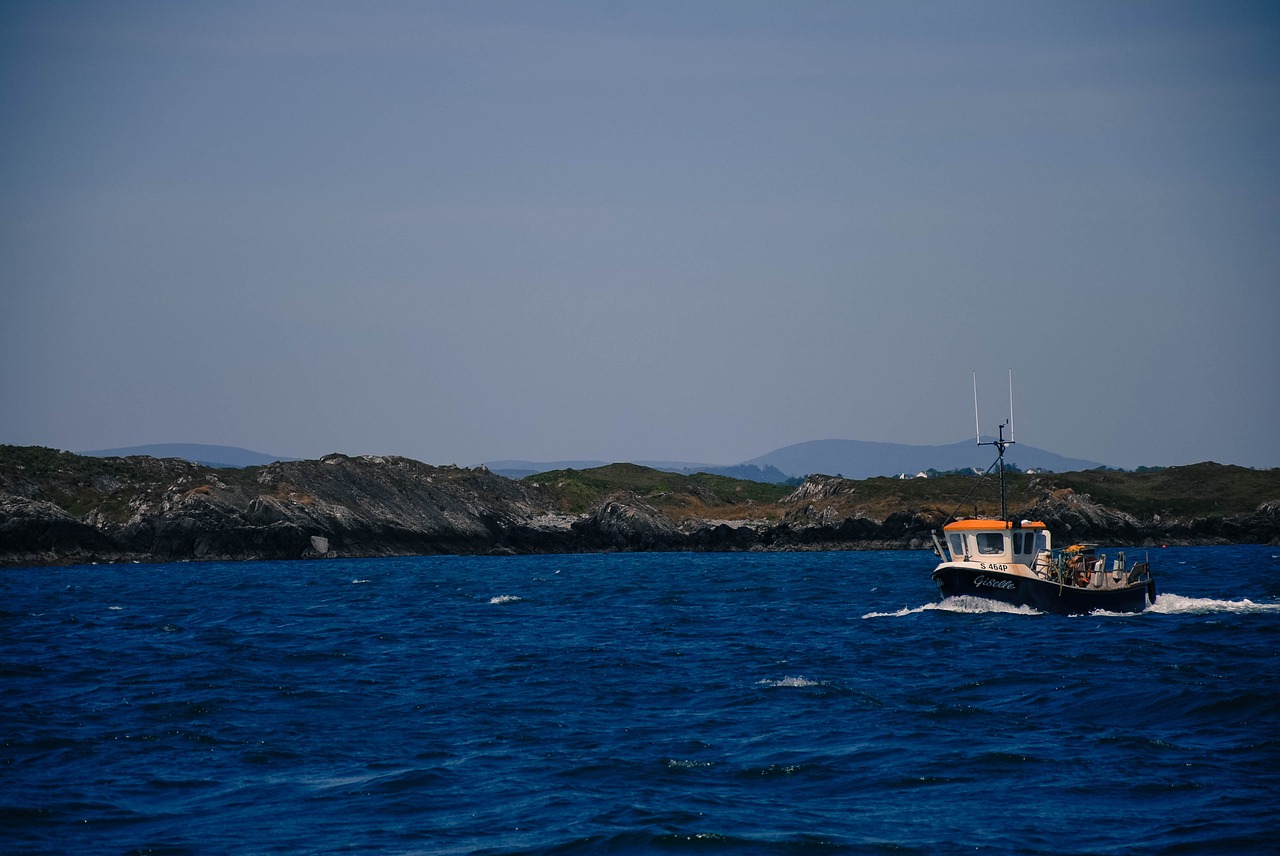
(1041, 595)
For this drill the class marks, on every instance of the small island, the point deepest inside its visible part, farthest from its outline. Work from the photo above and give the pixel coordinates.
(60, 508)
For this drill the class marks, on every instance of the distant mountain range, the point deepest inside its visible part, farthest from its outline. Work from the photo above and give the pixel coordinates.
(209, 456)
(860, 459)
(854, 459)
(60, 508)
(515, 469)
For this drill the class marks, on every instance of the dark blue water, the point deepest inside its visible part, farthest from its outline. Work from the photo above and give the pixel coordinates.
(754, 703)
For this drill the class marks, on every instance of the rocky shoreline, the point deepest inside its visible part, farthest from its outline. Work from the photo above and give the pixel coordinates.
(59, 508)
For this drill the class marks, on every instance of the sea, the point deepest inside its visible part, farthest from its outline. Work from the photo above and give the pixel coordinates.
(688, 703)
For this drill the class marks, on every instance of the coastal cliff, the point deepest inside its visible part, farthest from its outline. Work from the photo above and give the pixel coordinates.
(60, 508)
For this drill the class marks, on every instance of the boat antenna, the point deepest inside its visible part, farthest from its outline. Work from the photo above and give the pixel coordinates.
(977, 430)
(1011, 432)
(960, 504)
(1000, 442)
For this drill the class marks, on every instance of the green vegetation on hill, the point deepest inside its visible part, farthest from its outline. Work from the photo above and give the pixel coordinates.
(965, 495)
(1198, 490)
(79, 484)
(113, 487)
(681, 496)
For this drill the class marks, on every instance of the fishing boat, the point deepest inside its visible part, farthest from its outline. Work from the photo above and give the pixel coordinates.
(1014, 561)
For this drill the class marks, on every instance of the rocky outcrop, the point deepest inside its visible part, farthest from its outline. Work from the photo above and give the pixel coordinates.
(822, 514)
(60, 508)
(36, 532)
(1261, 527)
(626, 523)
(1076, 517)
(339, 505)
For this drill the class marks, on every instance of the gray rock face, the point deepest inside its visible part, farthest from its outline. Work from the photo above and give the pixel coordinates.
(58, 508)
(629, 524)
(41, 532)
(1076, 517)
(167, 510)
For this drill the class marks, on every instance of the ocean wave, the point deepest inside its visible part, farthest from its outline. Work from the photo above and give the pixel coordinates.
(1166, 604)
(960, 603)
(1176, 604)
(790, 682)
(692, 842)
(640, 703)
(687, 764)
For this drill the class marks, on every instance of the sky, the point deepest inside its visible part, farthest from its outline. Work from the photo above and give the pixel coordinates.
(679, 231)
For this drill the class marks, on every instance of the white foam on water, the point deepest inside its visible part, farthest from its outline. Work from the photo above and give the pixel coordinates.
(970, 604)
(961, 603)
(114, 608)
(790, 682)
(1166, 604)
(504, 598)
(357, 582)
(1105, 613)
(1176, 604)
(681, 764)
(899, 614)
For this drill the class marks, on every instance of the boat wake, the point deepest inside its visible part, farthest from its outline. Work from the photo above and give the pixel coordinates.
(1176, 604)
(960, 603)
(790, 682)
(1166, 604)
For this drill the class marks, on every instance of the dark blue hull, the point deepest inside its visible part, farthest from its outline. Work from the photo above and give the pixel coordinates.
(1041, 595)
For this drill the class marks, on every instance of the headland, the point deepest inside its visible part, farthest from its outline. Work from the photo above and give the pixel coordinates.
(61, 508)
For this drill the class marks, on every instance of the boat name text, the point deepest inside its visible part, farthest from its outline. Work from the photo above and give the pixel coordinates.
(997, 584)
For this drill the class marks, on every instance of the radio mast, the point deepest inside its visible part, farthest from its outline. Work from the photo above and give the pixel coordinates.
(1000, 442)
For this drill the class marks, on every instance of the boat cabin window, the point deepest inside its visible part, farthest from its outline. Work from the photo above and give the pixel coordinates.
(1028, 544)
(990, 543)
(957, 545)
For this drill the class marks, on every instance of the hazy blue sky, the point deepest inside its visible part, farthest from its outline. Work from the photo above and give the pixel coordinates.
(464, 231)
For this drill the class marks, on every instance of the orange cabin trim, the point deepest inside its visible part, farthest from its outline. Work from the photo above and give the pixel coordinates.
(969, 525)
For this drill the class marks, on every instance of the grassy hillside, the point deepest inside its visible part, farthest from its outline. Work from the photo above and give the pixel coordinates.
(1201, 490)
(704, 495)
(79, 483)
(681, 496)
(1198, 490)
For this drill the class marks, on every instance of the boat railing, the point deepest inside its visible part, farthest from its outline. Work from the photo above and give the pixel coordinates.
(1086, 569)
